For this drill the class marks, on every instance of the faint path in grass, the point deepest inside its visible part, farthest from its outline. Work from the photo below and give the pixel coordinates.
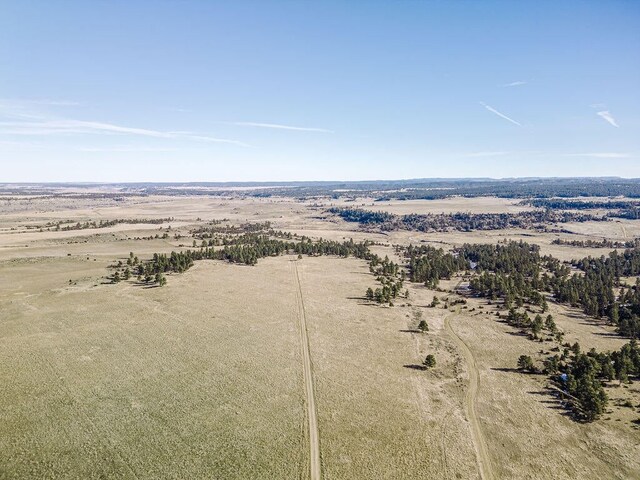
(479, 443)
(314, 439)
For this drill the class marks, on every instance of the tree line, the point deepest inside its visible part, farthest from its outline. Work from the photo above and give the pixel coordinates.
(460, 221)
(604, 243)
(617, 208)
(517, 274)
(69, 225)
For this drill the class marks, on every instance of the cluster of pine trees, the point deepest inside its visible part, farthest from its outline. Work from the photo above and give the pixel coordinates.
(626, 312)
(595, 290)
(460, 221)
(509, 257)
(391, 278)
(145, 271)
(619, 208)
(250, 247)
(513, 272)
(571, 204)
(429, 265)
(363, 217)
(580, 375)
(616, 264)
(217, 227)
(516, 273)
(175, 262)
(535, 326)
(583, 384)
(514, 289)
(632, 213)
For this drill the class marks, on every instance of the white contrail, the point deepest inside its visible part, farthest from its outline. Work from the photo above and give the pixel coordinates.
(280, 127)
(126, 148)
(599, 155)
(514, 84)
(485, 154)
(493, 110)
(607, 116)
(66, 127)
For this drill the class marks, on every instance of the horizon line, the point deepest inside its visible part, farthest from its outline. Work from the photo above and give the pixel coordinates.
(290, 182)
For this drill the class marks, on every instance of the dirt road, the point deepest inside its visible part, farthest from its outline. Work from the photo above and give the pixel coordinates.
(482, 455)
(314, 441)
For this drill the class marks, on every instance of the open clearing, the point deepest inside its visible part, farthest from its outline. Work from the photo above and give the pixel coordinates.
(281, 370)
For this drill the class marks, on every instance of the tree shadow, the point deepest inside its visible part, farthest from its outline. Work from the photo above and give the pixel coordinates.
(555, 400)
(414, 366)
(542, 393)
(505, 369)
(407, 330)
(519, 333)
(594, 323)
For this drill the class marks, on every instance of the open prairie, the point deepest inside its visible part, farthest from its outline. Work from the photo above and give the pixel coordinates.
(282, 369)
(444, 205)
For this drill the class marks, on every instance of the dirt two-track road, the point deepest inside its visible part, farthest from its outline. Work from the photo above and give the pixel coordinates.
(479, 443)
(314, 442)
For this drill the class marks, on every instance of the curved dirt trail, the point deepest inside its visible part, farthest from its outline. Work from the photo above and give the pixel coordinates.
(482, 454)
(314, 441)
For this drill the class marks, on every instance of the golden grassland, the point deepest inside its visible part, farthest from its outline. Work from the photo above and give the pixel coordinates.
(203, 378)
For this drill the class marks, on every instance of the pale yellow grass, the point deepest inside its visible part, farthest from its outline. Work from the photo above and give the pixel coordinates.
(203, 378)
(198, 379)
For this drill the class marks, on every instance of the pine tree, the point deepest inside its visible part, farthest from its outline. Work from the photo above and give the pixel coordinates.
(525, 363)
(429, 361)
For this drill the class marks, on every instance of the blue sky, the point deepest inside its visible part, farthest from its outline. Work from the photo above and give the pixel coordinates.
(267, 90)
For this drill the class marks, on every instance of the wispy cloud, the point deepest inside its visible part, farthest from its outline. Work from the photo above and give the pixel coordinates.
(56, 103)
(80, 127)
(125, 148)
(176, 109)
(599, 155)
(24, 102)
(514, 84)
(22, 117)
(279, 127)
(502, 115)
(608, 117)
(16, 145)
(485, 154)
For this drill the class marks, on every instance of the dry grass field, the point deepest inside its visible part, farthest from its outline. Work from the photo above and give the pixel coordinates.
(445, 205)
(205, 377)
